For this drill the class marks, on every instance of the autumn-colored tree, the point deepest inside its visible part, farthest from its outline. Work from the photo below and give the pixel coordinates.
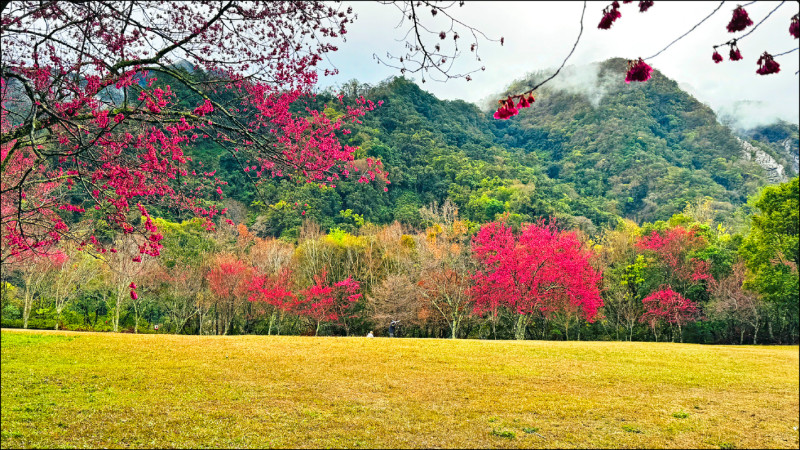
(734, 303)
(396, 298)
(445, 281)
(623, 276)
(666, 305)
(539, 270)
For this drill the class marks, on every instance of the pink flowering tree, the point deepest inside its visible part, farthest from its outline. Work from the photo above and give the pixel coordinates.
(89, 132)
(668, 306)
(273, 290)
(323, 302)
(673, 261)
(539, 271)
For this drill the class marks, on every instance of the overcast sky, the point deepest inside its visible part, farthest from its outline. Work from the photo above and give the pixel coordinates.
(538, 35)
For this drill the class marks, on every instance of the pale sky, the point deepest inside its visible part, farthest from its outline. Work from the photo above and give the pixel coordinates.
(538, 35)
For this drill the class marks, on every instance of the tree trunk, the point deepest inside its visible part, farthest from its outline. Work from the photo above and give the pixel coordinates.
(271, 321)
(519, 332)
(26, 311)
(136, 317)
(755, 331)
(680, 332)
(453, 329)
(116, 313)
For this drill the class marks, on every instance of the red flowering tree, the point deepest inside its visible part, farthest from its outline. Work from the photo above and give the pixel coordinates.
(540, 270)
(273, 290)
(672, 251)
(666, 305)
(84, 114)
(229, 280)
(322, 302)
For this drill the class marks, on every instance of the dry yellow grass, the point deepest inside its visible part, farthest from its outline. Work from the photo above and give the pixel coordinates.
(64, 389)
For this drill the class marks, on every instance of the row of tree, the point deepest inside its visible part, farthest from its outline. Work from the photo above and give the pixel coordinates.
(680, 280)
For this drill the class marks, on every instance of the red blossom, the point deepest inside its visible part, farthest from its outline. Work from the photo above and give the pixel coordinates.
(645, 5)
(134, 295)
(506, 110)
(669, 306)
(794, 27)
(610, 14)
(564, 278)
(767, 65)
(132, 155)
(739, 21)
(735, 54)
(638, 71)
(716, 57)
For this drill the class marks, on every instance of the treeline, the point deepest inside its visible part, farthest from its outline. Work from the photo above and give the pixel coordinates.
(686, 279)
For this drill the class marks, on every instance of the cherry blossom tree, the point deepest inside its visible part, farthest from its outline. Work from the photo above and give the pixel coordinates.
(669, 306)
(322, 302)
(273, 289)
(88, 108)
(666, 305)
(538, 270)
(672, 249)
(229, 280)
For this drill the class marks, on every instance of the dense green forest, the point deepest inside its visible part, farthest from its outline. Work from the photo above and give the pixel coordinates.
(639, 152)
(667, 200)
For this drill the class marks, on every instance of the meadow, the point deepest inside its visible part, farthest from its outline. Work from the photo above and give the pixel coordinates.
(71, 389)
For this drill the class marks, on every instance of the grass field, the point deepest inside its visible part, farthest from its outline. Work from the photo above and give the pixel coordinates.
(66, 389)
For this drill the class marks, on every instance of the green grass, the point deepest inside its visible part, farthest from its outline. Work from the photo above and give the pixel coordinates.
(67, 389)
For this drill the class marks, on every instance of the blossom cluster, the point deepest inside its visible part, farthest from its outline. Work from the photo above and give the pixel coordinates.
(638, 71)
(767, 65)
(611, 13)
(508, 109)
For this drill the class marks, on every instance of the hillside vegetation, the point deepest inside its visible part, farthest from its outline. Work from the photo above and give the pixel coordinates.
(591, 151)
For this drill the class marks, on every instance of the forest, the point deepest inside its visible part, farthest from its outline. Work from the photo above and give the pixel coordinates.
(643, 215)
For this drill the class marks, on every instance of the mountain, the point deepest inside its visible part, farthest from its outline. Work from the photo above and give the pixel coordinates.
(591, 150)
